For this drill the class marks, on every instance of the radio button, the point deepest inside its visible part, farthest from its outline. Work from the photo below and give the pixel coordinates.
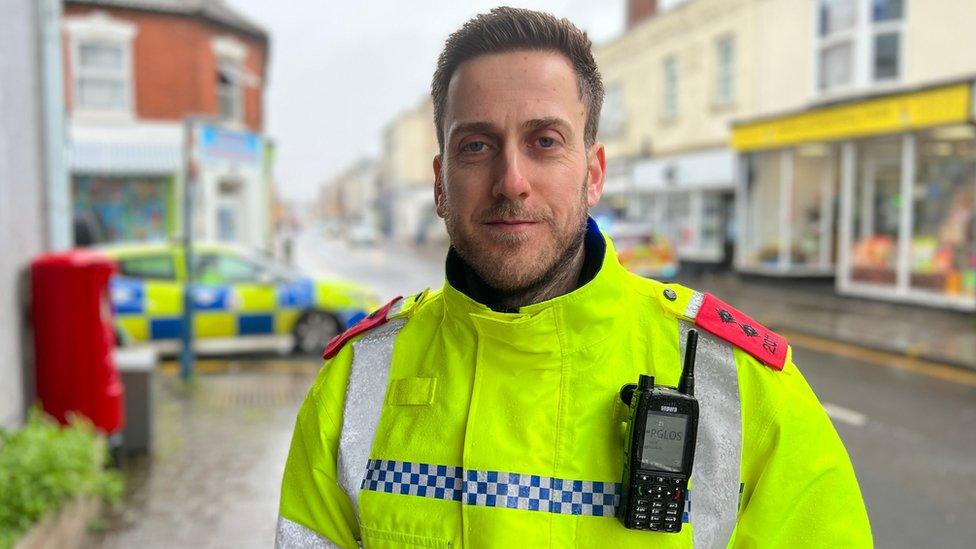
(671, 505)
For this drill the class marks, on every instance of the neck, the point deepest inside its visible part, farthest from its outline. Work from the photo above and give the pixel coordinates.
(578, 265)
(561, 279)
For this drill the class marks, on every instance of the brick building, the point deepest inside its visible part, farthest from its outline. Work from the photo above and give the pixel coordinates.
(134, 70)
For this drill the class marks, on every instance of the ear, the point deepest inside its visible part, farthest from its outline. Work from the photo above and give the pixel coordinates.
(596, 166)
(439, 188)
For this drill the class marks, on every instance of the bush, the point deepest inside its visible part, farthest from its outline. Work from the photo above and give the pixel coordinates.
(44, 465)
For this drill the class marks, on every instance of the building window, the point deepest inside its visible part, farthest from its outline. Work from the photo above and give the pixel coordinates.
(670, 87)
(230, 96)
(101, 63)
(613, 116)
(858, 43)
(725, 83)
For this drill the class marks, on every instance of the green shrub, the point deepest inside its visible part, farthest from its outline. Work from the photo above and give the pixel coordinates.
(44, 465)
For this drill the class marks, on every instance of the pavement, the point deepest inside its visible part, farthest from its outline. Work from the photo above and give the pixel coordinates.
(219, 447)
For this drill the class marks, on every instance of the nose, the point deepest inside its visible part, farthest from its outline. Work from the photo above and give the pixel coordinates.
(510, 181)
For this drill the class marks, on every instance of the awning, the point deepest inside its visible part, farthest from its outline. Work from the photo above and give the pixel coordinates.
(712, 169)
(109, 157)
(951, 104)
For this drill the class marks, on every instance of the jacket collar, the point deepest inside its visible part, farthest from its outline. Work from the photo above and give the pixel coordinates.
(577, 318)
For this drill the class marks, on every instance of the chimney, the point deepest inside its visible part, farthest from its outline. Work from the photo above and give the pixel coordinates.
(639, 10)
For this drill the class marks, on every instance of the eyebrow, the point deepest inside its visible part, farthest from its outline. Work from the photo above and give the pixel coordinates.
(488, 127)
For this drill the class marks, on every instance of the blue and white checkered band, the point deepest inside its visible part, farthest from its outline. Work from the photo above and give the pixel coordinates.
(495, 489)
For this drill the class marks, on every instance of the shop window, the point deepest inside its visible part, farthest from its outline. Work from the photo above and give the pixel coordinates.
(761, 242)
(670, 87)
(725, 77)
(814, 188)
(677, 219)
(125, 208)
(102, 76)
(943, 245)
(876, 211)
(711, 238)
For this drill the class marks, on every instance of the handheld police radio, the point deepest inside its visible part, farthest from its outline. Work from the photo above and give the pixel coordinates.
(660, 449)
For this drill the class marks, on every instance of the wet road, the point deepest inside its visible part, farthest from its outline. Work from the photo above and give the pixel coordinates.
(911, 436)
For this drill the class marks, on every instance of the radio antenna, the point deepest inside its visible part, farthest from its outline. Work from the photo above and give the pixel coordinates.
(687, 383)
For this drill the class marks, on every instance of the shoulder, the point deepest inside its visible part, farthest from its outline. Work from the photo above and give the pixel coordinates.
(399, 308)
(718, 318)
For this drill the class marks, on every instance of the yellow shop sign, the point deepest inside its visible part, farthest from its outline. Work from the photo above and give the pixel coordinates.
(909, 111)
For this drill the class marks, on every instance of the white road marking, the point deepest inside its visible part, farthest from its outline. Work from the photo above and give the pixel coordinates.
(839, 413)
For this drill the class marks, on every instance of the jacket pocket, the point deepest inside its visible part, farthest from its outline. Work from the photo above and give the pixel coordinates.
(412, 391)
(381, 539)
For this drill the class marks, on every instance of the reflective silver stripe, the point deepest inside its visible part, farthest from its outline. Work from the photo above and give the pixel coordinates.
(364, 402)
(694, 305)
(292, 535)
(715, 475)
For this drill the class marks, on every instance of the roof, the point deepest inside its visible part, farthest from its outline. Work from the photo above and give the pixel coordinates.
(216, 11)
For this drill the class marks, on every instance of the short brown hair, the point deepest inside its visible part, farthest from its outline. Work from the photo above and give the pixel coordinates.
(510, 29)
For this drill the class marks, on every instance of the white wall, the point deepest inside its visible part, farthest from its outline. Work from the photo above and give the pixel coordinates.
(21, 193)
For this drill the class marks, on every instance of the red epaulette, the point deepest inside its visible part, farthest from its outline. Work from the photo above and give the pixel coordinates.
(721, 320)
(376, 318)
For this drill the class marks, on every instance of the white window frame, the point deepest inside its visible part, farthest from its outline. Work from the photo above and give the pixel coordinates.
(670, 98)
(725, 71)
(228, 50)
(861, 37)
(99, 27)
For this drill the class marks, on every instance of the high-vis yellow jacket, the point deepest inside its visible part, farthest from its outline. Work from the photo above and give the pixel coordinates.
(451, 425)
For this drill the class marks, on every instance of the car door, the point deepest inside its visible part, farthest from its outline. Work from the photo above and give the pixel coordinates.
(245, 292)
(147, 297)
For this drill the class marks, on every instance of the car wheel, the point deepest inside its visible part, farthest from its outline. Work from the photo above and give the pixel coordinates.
(313, 331)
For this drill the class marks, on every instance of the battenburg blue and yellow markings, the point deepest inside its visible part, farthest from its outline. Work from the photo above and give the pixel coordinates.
(497, 489)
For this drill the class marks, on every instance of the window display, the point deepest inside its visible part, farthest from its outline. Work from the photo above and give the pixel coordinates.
(943, 245)
(761, 241)
(814, 189)
(125, 208)
(876, 211)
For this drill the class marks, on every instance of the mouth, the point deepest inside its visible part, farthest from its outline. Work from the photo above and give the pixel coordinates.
(511, 225)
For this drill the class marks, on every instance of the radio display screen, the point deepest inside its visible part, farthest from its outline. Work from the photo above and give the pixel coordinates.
(664, 442)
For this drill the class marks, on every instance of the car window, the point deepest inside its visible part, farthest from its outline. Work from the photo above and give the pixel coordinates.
(156, 267)
(223, 269)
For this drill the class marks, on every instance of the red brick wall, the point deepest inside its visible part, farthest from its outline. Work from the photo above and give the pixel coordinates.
(175, 70)
(639, 10)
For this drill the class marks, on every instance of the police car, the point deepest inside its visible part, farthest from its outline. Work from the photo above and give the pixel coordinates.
(241, 301)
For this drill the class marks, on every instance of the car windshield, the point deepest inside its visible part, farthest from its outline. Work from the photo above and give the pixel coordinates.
(273, 266)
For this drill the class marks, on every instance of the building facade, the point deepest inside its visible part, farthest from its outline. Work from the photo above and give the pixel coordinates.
(351, 196)
(406, 177)
(31, 177)
(135, 72)
(864, 167)
(674, 82)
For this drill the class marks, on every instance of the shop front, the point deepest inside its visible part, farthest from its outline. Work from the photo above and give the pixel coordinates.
(688, 199)
(880, 193)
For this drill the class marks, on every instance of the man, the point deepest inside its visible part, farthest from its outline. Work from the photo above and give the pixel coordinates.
(487, 414)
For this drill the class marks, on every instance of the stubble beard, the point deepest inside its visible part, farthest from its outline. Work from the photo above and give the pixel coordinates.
(502, 260)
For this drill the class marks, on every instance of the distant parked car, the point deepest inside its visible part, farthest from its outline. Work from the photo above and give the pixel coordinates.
(242, 301)
(642, 252)
(363, 234)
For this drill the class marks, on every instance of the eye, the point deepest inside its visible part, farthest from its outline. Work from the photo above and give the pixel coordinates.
(546, 142)
(473, 147)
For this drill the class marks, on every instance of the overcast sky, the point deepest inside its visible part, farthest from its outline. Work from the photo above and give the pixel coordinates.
(341, 70)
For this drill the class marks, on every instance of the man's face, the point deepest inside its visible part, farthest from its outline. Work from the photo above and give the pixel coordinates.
(515, 180)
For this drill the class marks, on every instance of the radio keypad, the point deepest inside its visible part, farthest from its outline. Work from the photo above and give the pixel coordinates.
(658, 502)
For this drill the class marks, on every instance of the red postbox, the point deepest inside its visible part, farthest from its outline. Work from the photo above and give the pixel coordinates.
(74, 338)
